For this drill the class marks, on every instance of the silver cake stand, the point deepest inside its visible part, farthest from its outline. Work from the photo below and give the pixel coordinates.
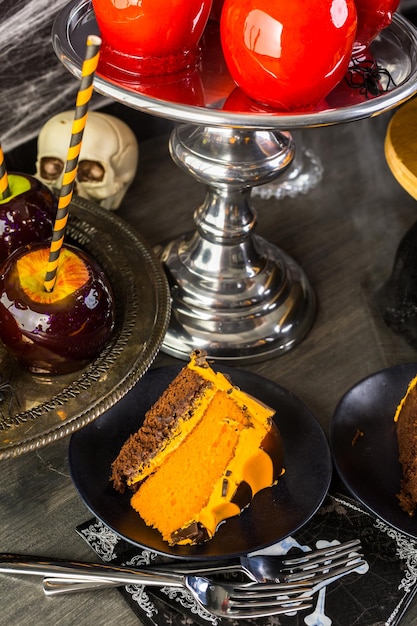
(234, 294)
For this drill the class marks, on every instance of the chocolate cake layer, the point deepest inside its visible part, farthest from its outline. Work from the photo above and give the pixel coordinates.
(176, 403)
(407, 445)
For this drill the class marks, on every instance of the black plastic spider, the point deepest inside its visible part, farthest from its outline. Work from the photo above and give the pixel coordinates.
(366, 75)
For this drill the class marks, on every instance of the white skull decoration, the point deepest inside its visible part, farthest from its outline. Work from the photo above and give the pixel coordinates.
(108, 158)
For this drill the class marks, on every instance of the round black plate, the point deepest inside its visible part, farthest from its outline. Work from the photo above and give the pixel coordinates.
(368, 464)
(274, 513)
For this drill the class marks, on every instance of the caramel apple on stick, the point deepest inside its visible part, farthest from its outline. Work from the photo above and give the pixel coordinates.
(27, 210)
(58, 323)
(4, 179)
(83, 99)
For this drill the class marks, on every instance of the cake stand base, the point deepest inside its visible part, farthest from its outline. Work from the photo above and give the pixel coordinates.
(234, 294)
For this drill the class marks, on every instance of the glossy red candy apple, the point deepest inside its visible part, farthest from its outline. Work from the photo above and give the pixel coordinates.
(27, 215)
(288, 55)
(239, 102)
(373, 17)
(215, 76)
(60, 331)
(216, 10)
(150, 37)
(182, 87)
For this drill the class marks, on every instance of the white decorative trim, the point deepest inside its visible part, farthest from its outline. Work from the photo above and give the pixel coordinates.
(102, 540)
(406, 550)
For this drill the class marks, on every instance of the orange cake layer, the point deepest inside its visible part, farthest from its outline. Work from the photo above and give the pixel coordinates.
(406, 421)
(219, 449)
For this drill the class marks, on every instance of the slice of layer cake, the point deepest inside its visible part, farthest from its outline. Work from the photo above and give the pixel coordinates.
(204, 450)
(406, 420)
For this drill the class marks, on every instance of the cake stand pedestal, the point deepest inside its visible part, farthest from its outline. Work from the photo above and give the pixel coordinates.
(234, 294)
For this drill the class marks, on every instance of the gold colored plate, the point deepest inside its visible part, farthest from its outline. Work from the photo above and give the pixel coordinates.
(401, 146)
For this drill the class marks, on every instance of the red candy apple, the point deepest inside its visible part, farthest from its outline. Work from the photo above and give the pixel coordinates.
(215, 76)
(59, 331)
(216, 10)
(182, 87)
(151, 36)
(239, 102)
(27, 215)
(285, 54)
(373, 16)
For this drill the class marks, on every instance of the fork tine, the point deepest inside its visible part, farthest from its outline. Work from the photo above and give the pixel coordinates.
(263, 590)
(316, 557)
(253, 600)
(243, 612)
(320, 556)
(324, 568)
(249, 592)
(351, 566)
(329, 551)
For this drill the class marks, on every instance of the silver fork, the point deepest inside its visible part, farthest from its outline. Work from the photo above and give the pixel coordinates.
(241, 601)
(248, 600)
(313, 566)
(238, 601)
(57, 585)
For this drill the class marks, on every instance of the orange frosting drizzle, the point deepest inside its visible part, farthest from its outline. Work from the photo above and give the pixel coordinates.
(224, 450)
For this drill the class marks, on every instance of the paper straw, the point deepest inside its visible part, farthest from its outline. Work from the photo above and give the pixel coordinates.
(81, 109)
(4, 181)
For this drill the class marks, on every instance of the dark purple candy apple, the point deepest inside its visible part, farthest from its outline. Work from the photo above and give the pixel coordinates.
(60, 331)
(27, 215)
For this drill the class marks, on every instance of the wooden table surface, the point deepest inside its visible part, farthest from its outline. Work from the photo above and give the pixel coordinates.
(344, 233)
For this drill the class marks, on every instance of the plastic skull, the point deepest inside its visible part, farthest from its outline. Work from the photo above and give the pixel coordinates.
(108, 158)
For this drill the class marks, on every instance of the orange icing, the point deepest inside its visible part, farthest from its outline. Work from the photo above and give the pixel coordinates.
(411, 386)
(196, 476)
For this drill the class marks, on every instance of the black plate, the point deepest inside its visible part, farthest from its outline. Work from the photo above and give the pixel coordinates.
(274, 513)
(368, 464)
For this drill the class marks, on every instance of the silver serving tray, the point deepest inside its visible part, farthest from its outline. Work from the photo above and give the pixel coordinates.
(36, 409)
(394, 50)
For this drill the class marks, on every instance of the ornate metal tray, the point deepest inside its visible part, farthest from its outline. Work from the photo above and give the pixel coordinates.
(202, 97)
(36, 410)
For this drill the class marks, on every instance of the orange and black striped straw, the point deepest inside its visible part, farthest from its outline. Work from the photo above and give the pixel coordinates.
(85, 92)
(4, 180)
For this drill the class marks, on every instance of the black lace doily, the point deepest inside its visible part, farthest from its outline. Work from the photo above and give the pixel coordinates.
(376, 597)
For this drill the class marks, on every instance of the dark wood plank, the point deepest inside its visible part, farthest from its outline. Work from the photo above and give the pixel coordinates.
(344, 233)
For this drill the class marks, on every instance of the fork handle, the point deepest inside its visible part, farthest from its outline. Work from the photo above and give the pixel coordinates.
(59, 586)
(54, 586)
(86, 572)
